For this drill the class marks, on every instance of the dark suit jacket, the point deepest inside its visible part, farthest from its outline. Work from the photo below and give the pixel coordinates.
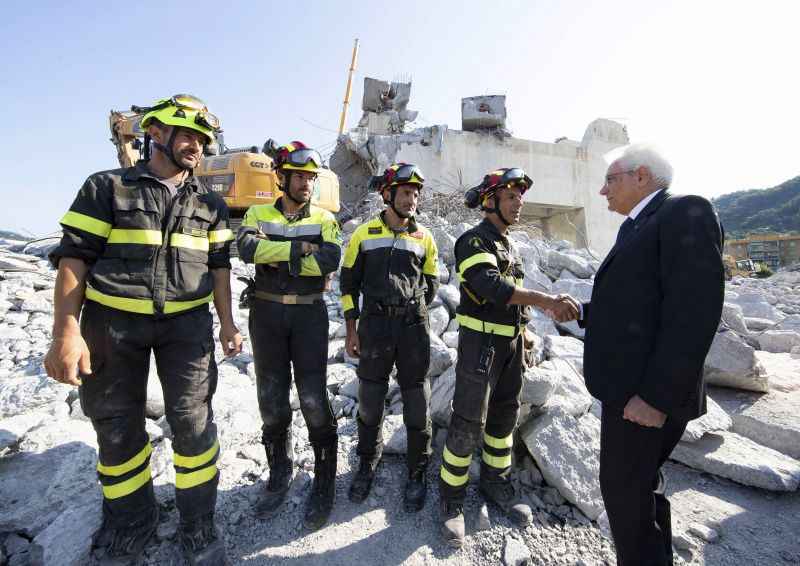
(655, 307)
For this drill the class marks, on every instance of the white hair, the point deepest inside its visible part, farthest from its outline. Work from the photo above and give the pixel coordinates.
(647, 156)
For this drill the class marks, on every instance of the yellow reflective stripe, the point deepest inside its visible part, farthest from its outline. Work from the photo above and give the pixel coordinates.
(431, 266)
(497, 461)
(187, 241)
(185, 481)
(128, 486)
(171, 307)
(143, 306)
(487, 327)
(134, 236)
(347, 303)
(484, 257)
(451, 458)
(86, 223)
(270, 252)
(126, 467)
(217, 236)
(452, 479)
(499, 443)
(196, 461)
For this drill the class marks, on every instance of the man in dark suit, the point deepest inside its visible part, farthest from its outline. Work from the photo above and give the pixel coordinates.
(655, 308)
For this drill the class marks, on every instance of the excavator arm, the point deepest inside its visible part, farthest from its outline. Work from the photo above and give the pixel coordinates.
(127, 136)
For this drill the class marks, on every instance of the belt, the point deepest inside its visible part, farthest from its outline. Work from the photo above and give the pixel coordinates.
(289, 299)
(392, 309)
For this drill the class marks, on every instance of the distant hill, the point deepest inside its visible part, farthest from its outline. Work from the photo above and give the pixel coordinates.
(761, 210)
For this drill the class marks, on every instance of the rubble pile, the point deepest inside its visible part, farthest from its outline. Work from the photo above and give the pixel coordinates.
(48, 486)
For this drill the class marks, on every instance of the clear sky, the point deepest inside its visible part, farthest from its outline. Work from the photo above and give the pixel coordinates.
(714, 83)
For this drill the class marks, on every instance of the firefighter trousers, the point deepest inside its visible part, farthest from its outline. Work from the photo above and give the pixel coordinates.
(287, 338)
(397, 337)
(114, 397)
(486, 398)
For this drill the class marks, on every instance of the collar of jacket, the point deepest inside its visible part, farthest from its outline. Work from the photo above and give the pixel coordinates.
(304, 212)
(652, 206)
(488, 226)
(412, 224)
(140, 170)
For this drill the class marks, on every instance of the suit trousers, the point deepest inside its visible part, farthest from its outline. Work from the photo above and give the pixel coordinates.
(632, 485)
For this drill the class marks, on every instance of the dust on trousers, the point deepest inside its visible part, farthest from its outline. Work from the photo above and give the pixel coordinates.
(488, 385)
(390, 335)
(114, 396)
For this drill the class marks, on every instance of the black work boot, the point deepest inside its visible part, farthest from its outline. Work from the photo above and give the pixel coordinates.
(416, 487)
(280, 474)
(201, 542)
(362, 480)
(118, 544)
(451, 513)
(501, 492)
(323, 492)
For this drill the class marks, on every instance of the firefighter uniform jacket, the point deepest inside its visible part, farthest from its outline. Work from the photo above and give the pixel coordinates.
(149, 253)
(274, 243)
(488, 271)
(388, 267)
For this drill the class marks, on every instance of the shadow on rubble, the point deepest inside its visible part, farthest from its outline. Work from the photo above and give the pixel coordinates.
(754, 525)
(376, 531)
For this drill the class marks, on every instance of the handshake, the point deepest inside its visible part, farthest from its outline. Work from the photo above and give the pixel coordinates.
(562, 308)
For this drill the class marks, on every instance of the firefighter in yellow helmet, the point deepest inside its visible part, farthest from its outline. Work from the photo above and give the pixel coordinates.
(294, 246)
(144, 251)
(392, 261)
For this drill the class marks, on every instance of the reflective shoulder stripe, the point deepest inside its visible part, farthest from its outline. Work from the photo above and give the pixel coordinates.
(135, 236)
(483, 257)
(499, 443)
(451, 479)
(217, 236)
(86, 223)
(410, 246)
(143, 306)
(500, 462)
(192, 479)
(376, 243)
(126, 467)
(128, 486)
(487, 327)
(186, 241)
(196, 461)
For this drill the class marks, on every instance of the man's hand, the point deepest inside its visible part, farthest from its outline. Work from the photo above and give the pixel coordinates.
(68, 357)
(231, 340)
(638, 411)
(309, 248)
(562, 308)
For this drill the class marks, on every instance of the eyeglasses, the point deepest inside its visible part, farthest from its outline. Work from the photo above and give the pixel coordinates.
(300, 157)
(610, 178)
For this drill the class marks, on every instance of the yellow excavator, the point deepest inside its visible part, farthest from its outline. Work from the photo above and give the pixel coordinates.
(740, 267)
(243, 176)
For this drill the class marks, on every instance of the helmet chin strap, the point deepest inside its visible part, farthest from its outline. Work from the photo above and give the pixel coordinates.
(167, 150)
(496, 210)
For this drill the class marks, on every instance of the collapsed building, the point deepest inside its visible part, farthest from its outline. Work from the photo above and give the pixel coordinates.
(567, 174)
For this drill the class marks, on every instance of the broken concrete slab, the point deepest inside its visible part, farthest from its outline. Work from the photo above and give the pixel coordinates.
(715, 419)
(67, 540)
(13, 429)
(570, 394)
(442, 392)
(771, 419)
(731, 362)
(730, 455)
(779, 341)
(782, 371)
(538, 384)
(567, 451)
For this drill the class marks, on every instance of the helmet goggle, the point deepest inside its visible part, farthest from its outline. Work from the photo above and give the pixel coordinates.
(402, 174)
(302, 157)
(202, 116)
(514, 177)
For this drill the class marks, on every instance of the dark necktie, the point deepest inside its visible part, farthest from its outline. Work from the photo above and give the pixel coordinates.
(625, 230)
